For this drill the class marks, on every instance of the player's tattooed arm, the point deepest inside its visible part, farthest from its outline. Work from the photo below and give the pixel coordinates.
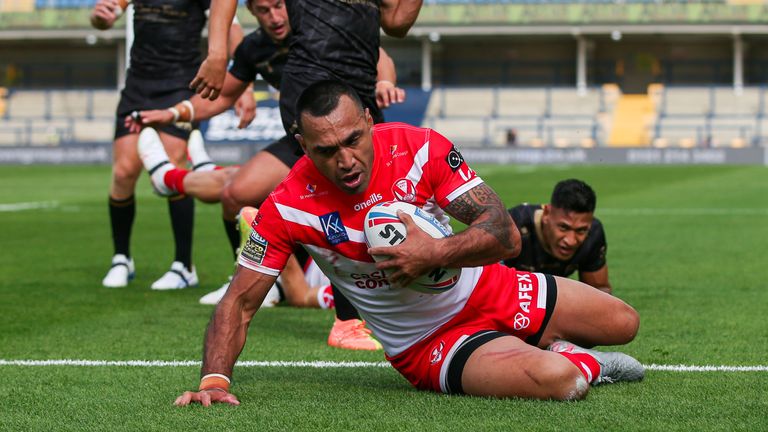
(481, 209)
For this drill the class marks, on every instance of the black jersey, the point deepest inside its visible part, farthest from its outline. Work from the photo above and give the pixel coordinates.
(588, 258)
(167, 38)
(340, 36)
(259, 54)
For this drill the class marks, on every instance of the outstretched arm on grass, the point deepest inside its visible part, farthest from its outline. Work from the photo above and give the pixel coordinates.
(225, 337)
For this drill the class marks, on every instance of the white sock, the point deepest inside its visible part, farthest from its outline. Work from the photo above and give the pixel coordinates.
(200, 159)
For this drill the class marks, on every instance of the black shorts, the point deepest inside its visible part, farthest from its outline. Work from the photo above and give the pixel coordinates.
(148, 94)
(287, 150)
(291, 87)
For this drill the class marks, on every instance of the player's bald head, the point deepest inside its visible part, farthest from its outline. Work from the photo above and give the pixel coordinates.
(322, 98)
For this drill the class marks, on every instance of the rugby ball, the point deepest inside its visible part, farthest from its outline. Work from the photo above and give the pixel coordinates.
(382, 227)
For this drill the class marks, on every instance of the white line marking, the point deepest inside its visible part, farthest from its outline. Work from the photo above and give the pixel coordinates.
(323, 365)
(21, 206)
(708, 368)
(682, 211)
(184, 363)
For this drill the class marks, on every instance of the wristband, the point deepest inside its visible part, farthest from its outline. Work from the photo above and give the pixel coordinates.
(183, 111)
(214, 381)
(175, 113)
(191, 107)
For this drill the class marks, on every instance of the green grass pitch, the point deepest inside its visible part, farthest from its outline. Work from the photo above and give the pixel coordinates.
(687, 248)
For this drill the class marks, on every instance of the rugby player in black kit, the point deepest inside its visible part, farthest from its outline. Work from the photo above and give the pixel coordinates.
(164, 56)
(563, 236)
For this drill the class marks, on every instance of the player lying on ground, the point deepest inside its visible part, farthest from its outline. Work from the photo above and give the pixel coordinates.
(486, 336)
(563, 236)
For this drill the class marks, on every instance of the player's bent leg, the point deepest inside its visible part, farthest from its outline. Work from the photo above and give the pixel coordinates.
(508, 367)
(589, 317)
(207, 186)
(253, 182)
(156, 161)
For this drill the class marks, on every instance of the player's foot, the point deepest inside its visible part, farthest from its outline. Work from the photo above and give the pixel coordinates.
(155, 160)
(177, 277)
(614, 366)
(213, 297)
(244, 221)
(120, 273)
(197, 154)
(352, 335)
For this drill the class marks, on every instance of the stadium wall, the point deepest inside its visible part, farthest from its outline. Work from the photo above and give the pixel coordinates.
(236, 153)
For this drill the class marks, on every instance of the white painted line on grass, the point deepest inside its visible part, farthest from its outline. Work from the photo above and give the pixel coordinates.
(323, 365)
(184, 363)
(21, 206)
(726, 211)
(708, 368)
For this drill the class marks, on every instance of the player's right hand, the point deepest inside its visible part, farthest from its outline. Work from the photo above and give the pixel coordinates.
(206, 398)
(148, 118)
(388, 93)
(210, 78)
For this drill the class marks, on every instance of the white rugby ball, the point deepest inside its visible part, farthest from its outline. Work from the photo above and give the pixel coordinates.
(383, 228)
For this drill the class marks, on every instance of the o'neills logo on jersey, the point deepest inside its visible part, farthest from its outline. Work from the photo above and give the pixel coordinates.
(373, 199)
(404, 190)
(524, 287)
(334, 229)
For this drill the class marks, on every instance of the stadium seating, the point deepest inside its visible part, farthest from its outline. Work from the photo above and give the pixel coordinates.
(53, 117)
(709, 116)
(534, 116)
(470, 116)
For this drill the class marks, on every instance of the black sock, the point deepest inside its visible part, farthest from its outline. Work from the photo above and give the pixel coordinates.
(121, 214)
(182, 209)
(233, 234)
(344, 309)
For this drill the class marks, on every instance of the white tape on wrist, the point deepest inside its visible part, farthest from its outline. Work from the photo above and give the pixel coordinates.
(175, 113)
(217, 375)
(191, 109)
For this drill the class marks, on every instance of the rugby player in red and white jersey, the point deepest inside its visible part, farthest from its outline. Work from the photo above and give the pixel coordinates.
(486, 336)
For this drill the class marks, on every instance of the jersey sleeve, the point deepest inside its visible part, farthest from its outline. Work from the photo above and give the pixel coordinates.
(595, 258)
(519, 215)
(269, 244)
(242, 67)
(449, 174)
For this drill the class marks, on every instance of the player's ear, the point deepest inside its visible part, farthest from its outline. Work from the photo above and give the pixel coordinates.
(368, 118)
(303, 145)
(547, 209)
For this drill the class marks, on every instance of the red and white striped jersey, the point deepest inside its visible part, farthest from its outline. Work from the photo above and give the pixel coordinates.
(411, 164)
